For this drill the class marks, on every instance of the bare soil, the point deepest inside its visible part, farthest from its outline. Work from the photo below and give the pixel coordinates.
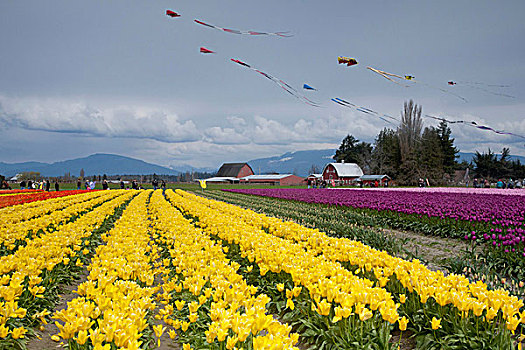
(43, 341)
(432, 250)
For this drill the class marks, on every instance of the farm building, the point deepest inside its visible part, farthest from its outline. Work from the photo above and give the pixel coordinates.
(222, 180)
(371, 179)
(342, 173)
(274, 179)
(236, 170)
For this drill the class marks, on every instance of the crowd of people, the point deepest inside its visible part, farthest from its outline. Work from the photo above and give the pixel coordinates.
(501, 183)
(44, 185)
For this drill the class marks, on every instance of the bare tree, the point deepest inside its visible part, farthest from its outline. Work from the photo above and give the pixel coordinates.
(409, 133)
(409, 130)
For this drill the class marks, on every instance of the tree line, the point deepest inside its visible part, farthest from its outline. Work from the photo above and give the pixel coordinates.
(410, 152)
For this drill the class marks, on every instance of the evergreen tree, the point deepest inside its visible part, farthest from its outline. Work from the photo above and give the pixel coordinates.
(431, 162)
(386, 156)
(486, 164)
(450, 152)
(353, 151)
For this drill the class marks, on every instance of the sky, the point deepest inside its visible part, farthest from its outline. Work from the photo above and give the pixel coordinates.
(121, 77)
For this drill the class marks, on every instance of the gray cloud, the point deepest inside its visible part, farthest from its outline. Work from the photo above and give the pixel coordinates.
(80, 118)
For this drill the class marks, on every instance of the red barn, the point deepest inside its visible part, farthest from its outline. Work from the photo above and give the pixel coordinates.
(342, 173)
(237, 170)
(274, 179)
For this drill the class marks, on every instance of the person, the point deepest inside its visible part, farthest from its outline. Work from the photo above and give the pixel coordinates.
(121, 184)
(105, 185)
(92, 185)
(376, 184)
(163, 186)
(475, 183)
(48, 185)
(499, 184)
(56, 185)
(134, 185)
(155, 183)
(79, 183)
(87, 184)
(29, 184)
(487, 183)
(518, 184)
(23, 185)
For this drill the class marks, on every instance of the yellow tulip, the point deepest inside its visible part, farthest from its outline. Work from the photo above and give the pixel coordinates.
(436, 323)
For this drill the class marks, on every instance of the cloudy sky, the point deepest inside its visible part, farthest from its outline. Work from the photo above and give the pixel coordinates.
(78, 78)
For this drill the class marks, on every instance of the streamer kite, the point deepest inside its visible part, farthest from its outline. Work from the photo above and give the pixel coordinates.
(475, 125)
(243, 32)
(412, 79)
(482, 87)
(279, 82)
(364, 110)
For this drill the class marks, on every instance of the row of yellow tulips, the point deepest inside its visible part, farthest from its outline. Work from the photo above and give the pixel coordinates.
(113, 304)
(13, 231)
(23, 270)
(452, 289)
(321, 277)
(202, 269)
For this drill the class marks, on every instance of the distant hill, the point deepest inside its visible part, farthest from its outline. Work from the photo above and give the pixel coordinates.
(298, 163)
(96, 164)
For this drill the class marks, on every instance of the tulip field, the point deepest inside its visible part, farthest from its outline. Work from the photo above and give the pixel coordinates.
(173, 269)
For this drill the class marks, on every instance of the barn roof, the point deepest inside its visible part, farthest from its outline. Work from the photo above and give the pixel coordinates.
(346, 169)
(374, 177)
(266, 177)
(231, 169)
(221, 179)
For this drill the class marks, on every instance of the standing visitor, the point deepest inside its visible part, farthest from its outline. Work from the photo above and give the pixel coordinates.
(56, 185)
(48, 185)
(104, 185)
(121, 184)
(79, 184)
(23, 185)
(163, 185)
(155, 183)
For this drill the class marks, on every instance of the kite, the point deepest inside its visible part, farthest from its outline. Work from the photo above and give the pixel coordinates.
(475, 125)
(245, 32)
(387, 75)
(308, 87)
(476, 85)
(412, 79)
(205, 50)
(363, 109)
(279, 82)
(346, 60)
(172, 14)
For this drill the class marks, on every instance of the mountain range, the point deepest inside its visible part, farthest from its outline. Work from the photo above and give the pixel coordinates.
(300, 163)
(95, 164)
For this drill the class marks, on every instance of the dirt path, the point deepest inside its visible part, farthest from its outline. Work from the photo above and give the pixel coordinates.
(43, 340)
(431, 250)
